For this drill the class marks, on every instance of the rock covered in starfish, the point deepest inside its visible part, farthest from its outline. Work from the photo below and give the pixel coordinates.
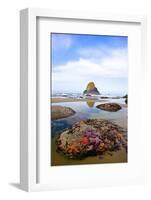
(91, 137)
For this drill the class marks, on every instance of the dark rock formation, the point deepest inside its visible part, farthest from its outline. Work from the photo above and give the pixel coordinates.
(58, 112)
(91, 89)
(91, 137)
(126, 98)
(112, 107)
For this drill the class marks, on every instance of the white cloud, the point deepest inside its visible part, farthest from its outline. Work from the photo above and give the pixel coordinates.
(113, 65)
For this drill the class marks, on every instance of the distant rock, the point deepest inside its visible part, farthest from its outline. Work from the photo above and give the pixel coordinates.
(91, 89)
(104, 97)
(112, 107)
(59, 112)
(126, 98)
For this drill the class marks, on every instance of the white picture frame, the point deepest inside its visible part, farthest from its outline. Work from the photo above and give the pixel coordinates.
(29, 91)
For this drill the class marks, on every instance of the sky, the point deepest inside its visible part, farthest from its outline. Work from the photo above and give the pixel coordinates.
(77, 59)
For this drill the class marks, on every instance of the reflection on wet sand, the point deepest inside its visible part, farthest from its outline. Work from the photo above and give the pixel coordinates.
(90, 103)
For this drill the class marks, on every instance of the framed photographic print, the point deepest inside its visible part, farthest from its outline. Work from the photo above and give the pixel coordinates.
(81, 77)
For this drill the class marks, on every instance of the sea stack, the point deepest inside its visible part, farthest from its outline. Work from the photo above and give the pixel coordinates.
(91, 89)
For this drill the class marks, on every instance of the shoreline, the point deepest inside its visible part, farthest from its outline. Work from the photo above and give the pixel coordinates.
(74, 99)
(69, 99)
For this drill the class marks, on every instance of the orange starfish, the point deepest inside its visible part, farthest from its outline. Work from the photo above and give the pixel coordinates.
(72, 148)
(101, 145)
(85, 140)
(119, 136)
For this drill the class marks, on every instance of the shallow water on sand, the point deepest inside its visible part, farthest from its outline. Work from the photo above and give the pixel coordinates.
(87, 110)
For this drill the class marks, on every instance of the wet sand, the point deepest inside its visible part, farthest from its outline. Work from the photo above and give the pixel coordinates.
(69, 99)
(116, 157)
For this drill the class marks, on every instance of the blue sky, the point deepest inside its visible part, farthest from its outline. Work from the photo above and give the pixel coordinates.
(78, 59)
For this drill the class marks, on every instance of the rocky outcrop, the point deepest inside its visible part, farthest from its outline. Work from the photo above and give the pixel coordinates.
(91, 89)
(112, 107)
(58, 112)
(91, 137)
(126, 98)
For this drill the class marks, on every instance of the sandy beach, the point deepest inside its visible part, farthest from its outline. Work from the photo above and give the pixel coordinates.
(69, 99)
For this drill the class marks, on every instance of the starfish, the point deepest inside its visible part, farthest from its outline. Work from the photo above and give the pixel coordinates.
(85, 140)
(72, 148)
